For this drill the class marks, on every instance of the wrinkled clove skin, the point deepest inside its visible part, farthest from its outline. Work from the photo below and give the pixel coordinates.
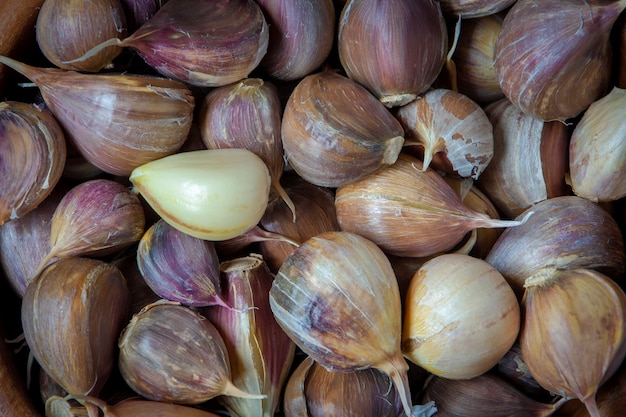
(33, 149)
(313, 391)
(169, 352)
(260, 352)
(179, 267)
(62, 311)
(334, 131)
(468, 9)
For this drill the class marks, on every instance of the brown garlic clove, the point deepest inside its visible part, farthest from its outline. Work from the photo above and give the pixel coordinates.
(380, 48)
(96, 217)
(67, 29)
(169, 352)
(334, 131)
(179, 267)
(32, 145)
(407, 211)
(337, 298)
(473, 59)
(468, 9)
(597, 153)
(32, 231)
(260, 353)
(545, 48)
(453, 131)
(246, 114)
(314, 391)
(316, 214)
(140, 293)
(573, 334)
(138, 407)
(62, 311)
(610, 398)
(530, 162)
(301, 35)
(563, 232)
(483, 395)
(460, 317)
(116, 121)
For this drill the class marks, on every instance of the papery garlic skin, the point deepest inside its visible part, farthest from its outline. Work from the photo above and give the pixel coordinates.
(460, 317)
(553, 58)
(212, 194)
(597, 153)
(467, 9)
(395, 48)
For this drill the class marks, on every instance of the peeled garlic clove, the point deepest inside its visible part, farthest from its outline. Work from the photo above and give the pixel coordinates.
(116, 121)
(67, 29)
(597, 150)
(246, 114)
(95, 217)
(572, 337)
(169, 352)
(334, 131)
(453, 131)
(301, 34)
(468, 9)
(473, 59)
(483, 395)
(323, 393)
(179, 267)
(214, 194)
(394, 48)
(545, 48)
(32, 231)
(530, 163)
(563, 232)
(260, 353)
(460, 317)
(32, 145)
(388, 207)
(316, 214)
(337, 298)
(62, 311)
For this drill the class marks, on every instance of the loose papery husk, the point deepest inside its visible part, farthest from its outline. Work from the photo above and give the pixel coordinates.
(573, 335)
(407, 211)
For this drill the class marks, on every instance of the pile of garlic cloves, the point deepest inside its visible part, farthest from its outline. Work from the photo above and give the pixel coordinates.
(303, 208)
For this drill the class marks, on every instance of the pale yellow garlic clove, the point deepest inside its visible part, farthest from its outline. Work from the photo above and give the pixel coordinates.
(212, 194)
(597, 153)
(460, 318)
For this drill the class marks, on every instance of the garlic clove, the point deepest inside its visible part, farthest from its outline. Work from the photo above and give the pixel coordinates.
(473, 59)
(139, 407)
(301, 35)
(334, 131)
(260, 353)
(337, 298)
(597, 152)
(96, 217)
(67, 29)
(468, 9)
(572, 337)
(563, 232)
(246, 114)
(214, 194)
(106, 116)
(483, 395)
(408, 211)
(545, 49)
(316, 214)
(169, 352)
(460, 317)
(179, 267)
(62, 311)
(531, 162)
(453, 131)
(380, 48)
(324, 393)
(32, 145)
(138, 12)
